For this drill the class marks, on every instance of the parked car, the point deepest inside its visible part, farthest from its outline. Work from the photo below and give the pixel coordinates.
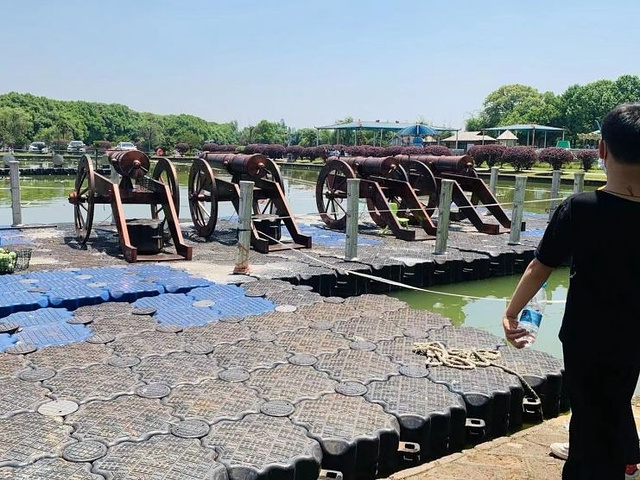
(76, 146)
(38, 147)
(126, 146)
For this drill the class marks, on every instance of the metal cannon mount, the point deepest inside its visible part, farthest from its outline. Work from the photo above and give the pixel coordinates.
(383, 181)
(270, 206)
(160, 191)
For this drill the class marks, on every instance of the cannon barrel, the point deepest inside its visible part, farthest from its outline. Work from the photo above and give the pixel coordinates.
(129, 163)
(462, 164)
(237, 163)
(366, 166)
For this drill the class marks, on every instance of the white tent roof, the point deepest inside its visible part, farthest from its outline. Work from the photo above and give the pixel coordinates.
(507, 135)
(469, 137)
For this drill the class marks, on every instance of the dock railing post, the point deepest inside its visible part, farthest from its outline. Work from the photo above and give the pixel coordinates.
(578, 182)
(444, 213)
(555, 192)
(244, 228)
(518, 208)
(14, 178)
(493, 179)
(351, 243)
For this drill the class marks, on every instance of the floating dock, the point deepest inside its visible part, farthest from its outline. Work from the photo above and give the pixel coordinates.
(301, 369)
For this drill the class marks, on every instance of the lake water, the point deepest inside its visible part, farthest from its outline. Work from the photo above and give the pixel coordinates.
(478, 304)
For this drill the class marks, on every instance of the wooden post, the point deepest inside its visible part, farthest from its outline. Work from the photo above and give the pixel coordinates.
(518, 207)
(244, 228)
(555, 192)
(444, 213)
(353, 195)
(493, 180)
(578, 182)
(14, 178)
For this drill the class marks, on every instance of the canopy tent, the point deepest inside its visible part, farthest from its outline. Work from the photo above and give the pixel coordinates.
(381, 126)
(507, 138)
(530, 128)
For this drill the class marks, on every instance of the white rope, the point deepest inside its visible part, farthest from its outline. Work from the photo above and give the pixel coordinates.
(466, 359)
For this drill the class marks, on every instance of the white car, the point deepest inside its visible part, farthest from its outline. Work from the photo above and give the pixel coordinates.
(76, 146)
(38, 147)
(126, 146)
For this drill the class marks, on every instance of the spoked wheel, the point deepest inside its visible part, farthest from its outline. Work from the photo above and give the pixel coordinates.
(331, 193)
(424, 185)
(82, 199)
(203, 198)
(270, 172)
(165, 173)
(397, 174)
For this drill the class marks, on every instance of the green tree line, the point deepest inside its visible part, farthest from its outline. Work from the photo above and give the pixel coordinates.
(577, 109)
(25, 117)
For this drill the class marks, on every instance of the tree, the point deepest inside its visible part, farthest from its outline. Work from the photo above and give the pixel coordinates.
(520, 158)
(556, 157)
(151, 132)
(508, 103)
(491, 154)
(15, 125)
(269, 132)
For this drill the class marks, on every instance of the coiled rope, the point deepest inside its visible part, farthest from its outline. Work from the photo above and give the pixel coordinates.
(467, 359)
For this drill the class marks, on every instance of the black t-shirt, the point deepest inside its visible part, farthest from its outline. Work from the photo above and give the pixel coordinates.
(598, 232)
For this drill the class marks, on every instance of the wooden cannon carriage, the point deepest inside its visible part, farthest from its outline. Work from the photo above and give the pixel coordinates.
(426, 173)
(383, 182)
(160, 191)
(270, 207)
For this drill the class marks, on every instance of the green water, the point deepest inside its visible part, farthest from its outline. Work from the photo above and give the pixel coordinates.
(481, 303)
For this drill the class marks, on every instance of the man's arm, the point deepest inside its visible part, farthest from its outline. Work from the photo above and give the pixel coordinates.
(532, 279)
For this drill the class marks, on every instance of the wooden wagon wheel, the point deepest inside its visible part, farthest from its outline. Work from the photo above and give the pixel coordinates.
(165, 173)
(270, 172)
(424, 185)
(84, 191)
(203, 198)
(331, 193)
(398, 173)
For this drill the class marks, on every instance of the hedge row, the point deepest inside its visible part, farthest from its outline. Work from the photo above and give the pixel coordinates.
(523, 158)
(519, 158)
(296, 152)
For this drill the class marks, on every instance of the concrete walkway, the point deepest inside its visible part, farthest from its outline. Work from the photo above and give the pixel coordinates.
(521, 456)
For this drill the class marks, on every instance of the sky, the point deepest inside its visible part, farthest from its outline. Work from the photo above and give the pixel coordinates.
(311, 63)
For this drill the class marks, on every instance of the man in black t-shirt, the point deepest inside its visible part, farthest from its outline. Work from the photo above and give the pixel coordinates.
(600, 330)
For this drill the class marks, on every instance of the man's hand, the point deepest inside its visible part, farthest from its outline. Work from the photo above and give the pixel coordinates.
(512, 333)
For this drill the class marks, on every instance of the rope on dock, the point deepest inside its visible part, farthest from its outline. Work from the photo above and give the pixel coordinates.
(467, 359)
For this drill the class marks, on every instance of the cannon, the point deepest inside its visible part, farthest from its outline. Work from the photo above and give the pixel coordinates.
(461, 170)
(270, 207)
(383, 181)
(139, 241)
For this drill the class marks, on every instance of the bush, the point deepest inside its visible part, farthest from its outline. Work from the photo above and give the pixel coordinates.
(412, 151)
(439, 150)
(273, 150)
(295, 151)
(555, 156)
(520, 158)
(182, 148)
(393, 151)
(210, 147)
(588, 158)
(307, 152)
(102, 145)
(489, 154)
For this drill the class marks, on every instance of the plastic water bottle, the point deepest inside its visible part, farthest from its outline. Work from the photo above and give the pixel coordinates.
(531, 316)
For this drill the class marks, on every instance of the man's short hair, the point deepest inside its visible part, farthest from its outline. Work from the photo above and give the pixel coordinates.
(621, 132)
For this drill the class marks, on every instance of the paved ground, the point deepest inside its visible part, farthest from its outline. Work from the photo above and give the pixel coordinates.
(521, 456)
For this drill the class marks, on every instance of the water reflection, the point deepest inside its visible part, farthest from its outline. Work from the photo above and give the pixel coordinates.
(481, 303)
(44, 198)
